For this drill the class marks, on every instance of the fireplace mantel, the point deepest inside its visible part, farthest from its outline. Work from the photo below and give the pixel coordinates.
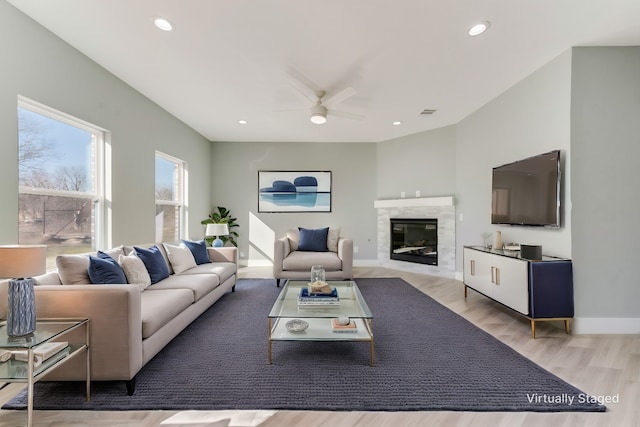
(414, 202)
(440, 208)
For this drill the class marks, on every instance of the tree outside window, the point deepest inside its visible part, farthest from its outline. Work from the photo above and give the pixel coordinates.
(59, 184)
(170, 198)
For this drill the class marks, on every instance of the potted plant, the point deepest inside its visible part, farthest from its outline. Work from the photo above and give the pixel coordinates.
(222, 216)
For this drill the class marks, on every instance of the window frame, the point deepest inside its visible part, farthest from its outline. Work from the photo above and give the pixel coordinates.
(180, 190)
(101, 233)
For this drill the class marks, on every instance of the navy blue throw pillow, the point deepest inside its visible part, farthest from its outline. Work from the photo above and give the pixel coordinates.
(105, 271)
(313, 240)
(154, 263)
(199, 251)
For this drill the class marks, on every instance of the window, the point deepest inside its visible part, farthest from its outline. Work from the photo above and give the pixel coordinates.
(61, 195)
(170, 198)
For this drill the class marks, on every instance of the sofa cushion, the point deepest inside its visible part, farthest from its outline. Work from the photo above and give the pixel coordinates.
(198, 284)
(105, 270)
(114, 252)
(73, 269)
(301, 261)
(135, 271)
(332, 239)
(154, 263)
(314, 240)
(224, 270)
(180, 257)
(199, 251)
(294, 238)
(158, 307)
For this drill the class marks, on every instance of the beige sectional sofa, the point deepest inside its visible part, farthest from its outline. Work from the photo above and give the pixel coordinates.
(129, 324)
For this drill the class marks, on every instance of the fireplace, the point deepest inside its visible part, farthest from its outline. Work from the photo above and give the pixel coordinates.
(414, 240)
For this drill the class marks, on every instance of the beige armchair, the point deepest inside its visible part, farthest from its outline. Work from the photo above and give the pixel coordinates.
(291, 263)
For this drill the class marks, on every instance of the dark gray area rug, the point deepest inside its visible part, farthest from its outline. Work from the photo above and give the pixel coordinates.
(427, 358)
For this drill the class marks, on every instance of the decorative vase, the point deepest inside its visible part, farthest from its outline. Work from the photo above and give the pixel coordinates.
(21, 308)
(317, 273)
(498, 242)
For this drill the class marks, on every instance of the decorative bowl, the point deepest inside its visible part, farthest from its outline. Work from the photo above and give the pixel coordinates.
(296, 325)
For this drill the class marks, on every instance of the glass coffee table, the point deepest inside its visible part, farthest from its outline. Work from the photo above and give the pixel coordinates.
(319, 317)
(47, 330)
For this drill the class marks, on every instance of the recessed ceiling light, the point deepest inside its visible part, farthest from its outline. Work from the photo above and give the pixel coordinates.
(479, 28)
(163, 24)
(397, 123)
(243, 122)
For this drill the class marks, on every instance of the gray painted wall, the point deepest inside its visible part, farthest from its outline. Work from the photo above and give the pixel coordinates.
(235, 169)
(530, 118)
(40, 66)
(605, 148)
(424, 161)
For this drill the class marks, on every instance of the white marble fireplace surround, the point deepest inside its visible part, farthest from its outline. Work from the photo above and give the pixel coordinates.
(441, 208)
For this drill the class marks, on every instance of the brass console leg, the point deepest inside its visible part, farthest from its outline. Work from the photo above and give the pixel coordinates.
(533, 328)
(566, 326)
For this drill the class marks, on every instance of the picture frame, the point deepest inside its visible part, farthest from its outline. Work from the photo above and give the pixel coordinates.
(294, 191)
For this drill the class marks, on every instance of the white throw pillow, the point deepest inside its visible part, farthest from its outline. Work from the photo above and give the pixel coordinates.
(180, 257)
(135, 271)
(332, 239)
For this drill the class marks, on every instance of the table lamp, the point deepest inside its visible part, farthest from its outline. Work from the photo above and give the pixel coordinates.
(217, 230)
(19, 263)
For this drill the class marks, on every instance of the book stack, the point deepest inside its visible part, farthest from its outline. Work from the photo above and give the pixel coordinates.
(340, 328)
(306, 298)
(41, 353)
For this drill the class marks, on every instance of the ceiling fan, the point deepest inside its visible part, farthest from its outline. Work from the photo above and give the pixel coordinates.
(322, 107)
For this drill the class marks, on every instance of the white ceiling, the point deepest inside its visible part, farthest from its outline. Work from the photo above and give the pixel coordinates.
(228, 60)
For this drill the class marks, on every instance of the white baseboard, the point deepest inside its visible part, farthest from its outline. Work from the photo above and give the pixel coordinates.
(605, 325)
(366, 263)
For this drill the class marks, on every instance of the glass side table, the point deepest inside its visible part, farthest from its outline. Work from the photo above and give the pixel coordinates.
(47, 330)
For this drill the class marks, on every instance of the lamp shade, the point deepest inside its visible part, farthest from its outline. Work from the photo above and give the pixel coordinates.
(217, 230)
(17, 261)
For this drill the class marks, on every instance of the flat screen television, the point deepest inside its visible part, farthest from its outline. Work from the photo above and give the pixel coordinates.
(527, 192)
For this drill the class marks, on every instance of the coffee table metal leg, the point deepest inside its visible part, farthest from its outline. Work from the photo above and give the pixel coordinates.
(269, 343)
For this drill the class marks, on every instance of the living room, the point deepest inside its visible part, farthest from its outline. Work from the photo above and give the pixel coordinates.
(580, 101)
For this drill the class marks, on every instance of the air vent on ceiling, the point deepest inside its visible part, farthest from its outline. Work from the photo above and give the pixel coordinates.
(426, 112)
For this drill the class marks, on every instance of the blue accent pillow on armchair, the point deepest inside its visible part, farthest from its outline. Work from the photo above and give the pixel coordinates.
(106, 271)
(154, 263)
(313, 240)
(199, 251)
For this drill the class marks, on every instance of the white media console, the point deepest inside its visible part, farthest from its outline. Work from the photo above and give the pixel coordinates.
(541, 290)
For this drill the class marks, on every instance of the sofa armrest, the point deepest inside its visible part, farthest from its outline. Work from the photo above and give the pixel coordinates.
(345, 253)
(281, 249)
(116, 327)
(223, 254)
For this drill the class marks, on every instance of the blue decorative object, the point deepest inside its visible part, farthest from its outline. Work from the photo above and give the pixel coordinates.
(313, 240)
(105, 270)
(199, 251)
(154, 263)
(217, 243)
(21, 309)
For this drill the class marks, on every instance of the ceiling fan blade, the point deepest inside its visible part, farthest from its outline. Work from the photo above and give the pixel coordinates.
(302, 94)
(339, 97)
(346, 115)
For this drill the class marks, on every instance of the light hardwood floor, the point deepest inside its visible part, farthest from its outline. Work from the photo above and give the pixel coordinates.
(602, 365)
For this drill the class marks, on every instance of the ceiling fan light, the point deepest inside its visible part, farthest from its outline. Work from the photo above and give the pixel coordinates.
(318, 115)
(318, 119)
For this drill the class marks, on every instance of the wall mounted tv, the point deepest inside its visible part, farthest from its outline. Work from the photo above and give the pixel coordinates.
(527, 192)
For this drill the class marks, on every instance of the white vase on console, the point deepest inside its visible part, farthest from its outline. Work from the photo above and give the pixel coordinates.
(498, 242)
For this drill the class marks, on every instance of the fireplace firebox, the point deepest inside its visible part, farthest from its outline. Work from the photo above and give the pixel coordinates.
(414, 240)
